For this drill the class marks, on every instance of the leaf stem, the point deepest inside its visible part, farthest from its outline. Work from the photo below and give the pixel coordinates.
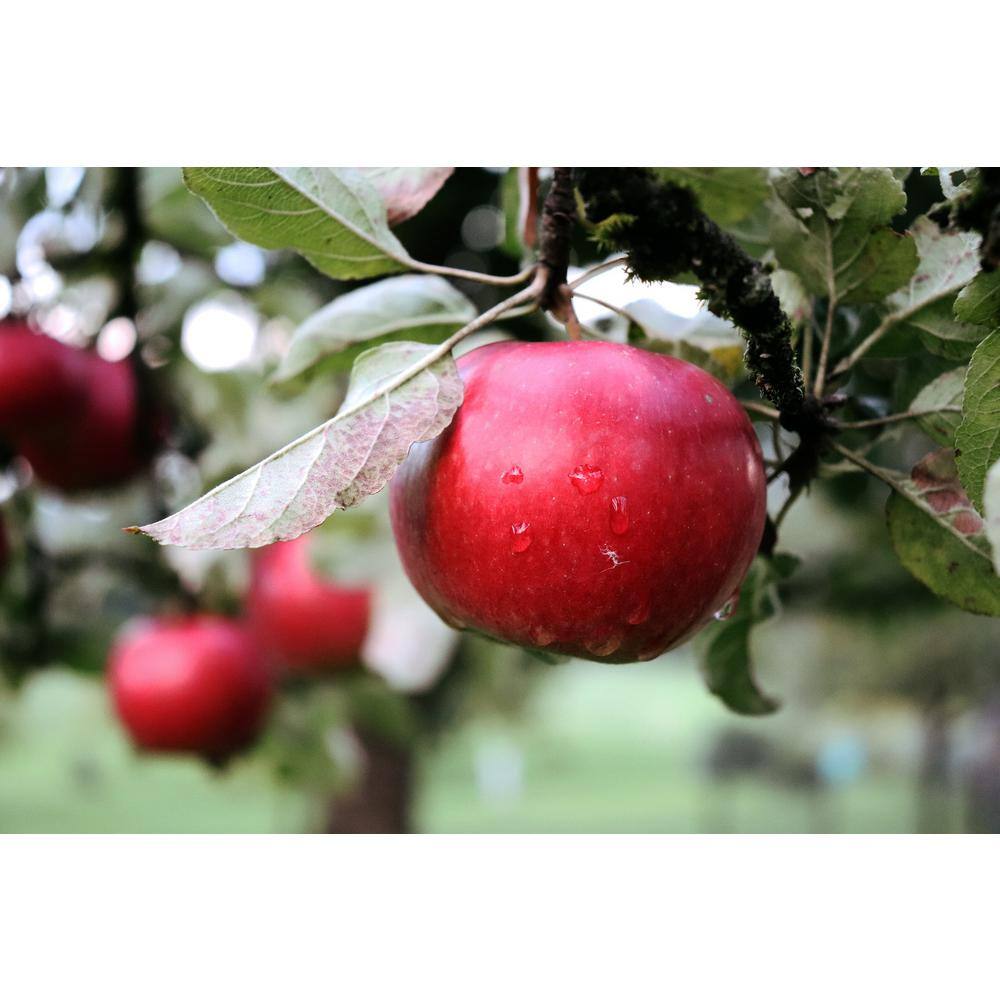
(481, 276)
(824, 353)
(624, 313)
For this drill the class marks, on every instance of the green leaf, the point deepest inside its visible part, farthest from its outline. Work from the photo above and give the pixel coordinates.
(946, 390)
(935, 328)
(335, 218)
(922, 315)
(977, 442)
(831, 228)
(416, 307)
(704, 339)
(991, 508)
(979, 301)
(725, 194)
(398, 395)
(724, 648)
(940, 539)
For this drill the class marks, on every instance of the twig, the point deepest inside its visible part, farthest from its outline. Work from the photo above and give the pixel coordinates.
(900, 316)
(558, 216)
(593, 272)
(893, 418)
(765, 411)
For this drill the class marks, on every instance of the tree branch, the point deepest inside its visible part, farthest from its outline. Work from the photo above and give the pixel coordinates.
(664, 234)
(558, 216)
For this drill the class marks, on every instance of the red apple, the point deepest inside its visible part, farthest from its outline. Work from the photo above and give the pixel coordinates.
(195, 684)
(99, 445)
(41, 381)
(306, 623)
(590, 499)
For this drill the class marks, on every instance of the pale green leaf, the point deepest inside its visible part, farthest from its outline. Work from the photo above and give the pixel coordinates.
(415, 307)
(977, 442)
(398, 395)
(922, 314)
(335, 218)
(946, 390)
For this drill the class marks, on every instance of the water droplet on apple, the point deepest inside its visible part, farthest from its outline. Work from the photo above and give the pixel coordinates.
(619, 515)
(604, 647)
(520, 536)
(640, 612)
(708, 399)
(729, 608)
(512, 476)
(586, 478)
(542, 637)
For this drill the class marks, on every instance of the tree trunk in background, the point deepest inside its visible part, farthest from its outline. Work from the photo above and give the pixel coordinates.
(982, 771)
(934, 782)
(380, 800)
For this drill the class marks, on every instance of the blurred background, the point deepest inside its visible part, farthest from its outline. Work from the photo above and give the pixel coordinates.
(157, 334)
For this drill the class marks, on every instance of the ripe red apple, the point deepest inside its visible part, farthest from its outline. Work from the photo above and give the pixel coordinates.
(306, 623)
(590, 499)
(41, 381)
(99, 445)
(195, 684)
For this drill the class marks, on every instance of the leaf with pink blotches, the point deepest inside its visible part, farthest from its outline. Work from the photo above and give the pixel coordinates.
(939, 537)
(395, 399)
(405, 190)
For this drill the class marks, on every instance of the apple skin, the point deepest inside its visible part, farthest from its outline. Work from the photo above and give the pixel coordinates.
(589, 499)
(306, 623)
(41, 380)
(190, 685)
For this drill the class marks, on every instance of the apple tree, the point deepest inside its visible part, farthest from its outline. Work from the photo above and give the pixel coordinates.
(579, 488)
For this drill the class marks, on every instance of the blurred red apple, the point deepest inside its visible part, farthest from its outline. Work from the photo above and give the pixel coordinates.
(590, 499)
(100, 445)
(306, 623)
(41, 380)
(195, 684)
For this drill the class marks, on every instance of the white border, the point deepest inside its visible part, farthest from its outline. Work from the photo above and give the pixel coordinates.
(491, 916)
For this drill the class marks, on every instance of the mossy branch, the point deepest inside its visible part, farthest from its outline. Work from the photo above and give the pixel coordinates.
(664, 233)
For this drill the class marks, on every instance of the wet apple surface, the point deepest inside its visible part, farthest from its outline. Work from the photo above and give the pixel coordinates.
(590, 499)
